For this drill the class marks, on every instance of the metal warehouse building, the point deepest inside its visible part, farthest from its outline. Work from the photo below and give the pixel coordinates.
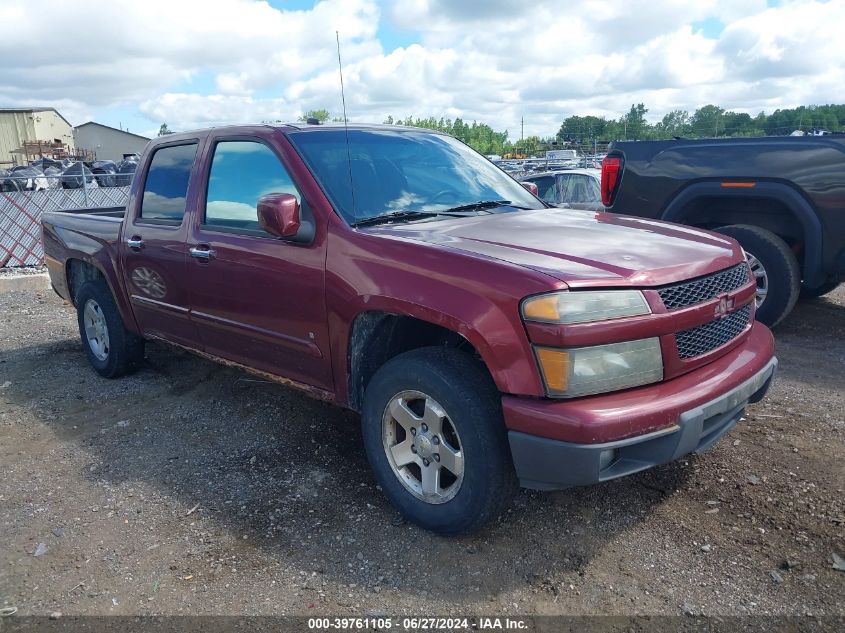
(108, 143)
(22, 126)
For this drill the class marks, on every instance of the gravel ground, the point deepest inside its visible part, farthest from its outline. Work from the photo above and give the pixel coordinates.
(22, 271)
(191, 488)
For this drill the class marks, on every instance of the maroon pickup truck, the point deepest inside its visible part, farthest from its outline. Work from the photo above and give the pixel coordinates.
(486, 339)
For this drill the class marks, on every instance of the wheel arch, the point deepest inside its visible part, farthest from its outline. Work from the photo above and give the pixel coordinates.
(79, 270)
(775, 206)
(376, 336)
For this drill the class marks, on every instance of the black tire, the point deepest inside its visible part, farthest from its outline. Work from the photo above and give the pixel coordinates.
(819, 291)
(472, 403)
(125, 350)
(780, 264)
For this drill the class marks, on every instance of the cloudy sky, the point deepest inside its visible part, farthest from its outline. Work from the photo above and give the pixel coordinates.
(199, 63)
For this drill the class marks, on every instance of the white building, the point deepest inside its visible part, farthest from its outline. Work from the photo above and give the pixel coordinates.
(108, 143)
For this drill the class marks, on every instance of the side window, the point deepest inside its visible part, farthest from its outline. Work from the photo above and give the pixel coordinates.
(578, 188)
(545, 188)
(593, 190)
(166, 186)
(242, 172)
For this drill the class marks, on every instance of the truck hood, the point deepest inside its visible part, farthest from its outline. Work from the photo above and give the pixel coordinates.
(580, 248)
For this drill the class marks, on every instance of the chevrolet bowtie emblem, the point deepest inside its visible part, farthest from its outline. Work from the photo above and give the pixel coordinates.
(724, 306)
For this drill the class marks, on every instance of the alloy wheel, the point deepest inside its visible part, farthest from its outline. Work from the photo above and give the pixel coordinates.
(761, 279)
(96, 330)
(423, 447)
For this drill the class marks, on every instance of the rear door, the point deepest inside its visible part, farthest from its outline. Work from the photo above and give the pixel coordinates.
(154, 250)
(256, 299)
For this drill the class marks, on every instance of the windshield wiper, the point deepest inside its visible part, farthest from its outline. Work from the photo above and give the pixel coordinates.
(483, 204)
(458, 211)
(394, 216)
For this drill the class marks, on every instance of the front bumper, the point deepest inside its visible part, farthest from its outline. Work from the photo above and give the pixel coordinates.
(546, 463)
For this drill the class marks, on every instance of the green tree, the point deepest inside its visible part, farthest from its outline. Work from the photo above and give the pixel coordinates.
(636, 127)
(321, 115)
(164, 130)
(708, 121)
(581, 129)
(674, 123)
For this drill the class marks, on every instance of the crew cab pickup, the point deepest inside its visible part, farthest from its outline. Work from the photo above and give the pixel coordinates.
(781, 197)
(487, 339)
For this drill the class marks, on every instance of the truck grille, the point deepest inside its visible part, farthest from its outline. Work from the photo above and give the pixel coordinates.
(704, 338)
(691, 292)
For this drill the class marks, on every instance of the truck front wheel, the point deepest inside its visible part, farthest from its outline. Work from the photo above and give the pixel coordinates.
(775, 270)
(112, 350)
(436, 441)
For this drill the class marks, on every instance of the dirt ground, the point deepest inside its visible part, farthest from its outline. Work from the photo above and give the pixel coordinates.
(190, 488)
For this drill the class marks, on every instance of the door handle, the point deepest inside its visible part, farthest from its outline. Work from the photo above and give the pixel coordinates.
(135, 242)
(202, 252)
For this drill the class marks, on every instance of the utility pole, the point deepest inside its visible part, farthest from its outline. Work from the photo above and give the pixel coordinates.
(522, 129)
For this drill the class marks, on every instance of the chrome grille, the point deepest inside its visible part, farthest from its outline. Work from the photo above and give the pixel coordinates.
(691, 292)
(704, 338)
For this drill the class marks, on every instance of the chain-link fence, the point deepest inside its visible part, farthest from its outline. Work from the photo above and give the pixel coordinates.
(23, 198)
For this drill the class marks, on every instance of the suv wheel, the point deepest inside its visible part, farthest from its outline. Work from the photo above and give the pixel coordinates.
(112, 350)
(775, 270)
(436, 440)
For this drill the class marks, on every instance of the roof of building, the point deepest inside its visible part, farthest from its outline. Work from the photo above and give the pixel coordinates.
(109, 127)
(37, 109)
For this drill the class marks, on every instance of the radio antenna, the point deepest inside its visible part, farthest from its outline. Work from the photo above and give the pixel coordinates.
(345, 126)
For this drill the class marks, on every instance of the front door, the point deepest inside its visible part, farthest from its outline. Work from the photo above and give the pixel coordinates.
(256, 299)
(153, 249)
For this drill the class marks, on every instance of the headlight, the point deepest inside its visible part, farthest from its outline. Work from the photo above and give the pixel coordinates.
(581, 371)
(583, 307)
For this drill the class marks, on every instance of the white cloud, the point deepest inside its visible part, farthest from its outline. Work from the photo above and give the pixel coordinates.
(491, 60)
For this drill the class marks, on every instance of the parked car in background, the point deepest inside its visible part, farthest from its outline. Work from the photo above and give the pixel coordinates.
(571, 188)
(486, 338)
(782, 198)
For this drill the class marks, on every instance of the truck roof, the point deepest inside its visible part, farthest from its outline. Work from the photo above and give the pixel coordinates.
(352, 126)
(298, 126)
(286, 127)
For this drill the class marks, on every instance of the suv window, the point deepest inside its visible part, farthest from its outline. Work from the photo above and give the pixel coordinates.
(545, 187)
(242, 172)
(578, 188)
(166, 187)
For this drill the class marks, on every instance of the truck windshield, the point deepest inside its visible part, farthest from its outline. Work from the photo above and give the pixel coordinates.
(395, 171)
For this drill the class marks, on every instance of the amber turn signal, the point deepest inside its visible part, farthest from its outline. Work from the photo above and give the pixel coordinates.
(543, 308)
(554, 364)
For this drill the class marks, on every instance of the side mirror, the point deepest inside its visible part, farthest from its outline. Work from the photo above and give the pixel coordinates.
(278, 214)
(531, 187)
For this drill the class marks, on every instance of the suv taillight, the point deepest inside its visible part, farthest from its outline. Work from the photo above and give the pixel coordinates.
(611, 174)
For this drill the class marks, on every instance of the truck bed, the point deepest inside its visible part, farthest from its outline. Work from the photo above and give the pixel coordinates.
(94, 233)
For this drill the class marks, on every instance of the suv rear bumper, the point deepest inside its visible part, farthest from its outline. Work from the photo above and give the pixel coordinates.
(674, 418)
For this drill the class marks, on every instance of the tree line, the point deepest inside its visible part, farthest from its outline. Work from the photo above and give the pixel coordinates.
(590, 130)
(707, 121)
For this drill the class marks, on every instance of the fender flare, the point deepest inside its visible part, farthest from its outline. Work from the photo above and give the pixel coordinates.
(92, 261)
(812, 265)
(398, 307)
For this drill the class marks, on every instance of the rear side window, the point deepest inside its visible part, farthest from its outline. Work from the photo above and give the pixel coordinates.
(578, 188)
(545, 187)
(166, 187)
(242, 172)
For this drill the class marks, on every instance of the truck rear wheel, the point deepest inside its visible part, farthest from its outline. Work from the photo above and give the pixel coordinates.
(436, 440)
(775, 270)
(820, 291)
(112, 350)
